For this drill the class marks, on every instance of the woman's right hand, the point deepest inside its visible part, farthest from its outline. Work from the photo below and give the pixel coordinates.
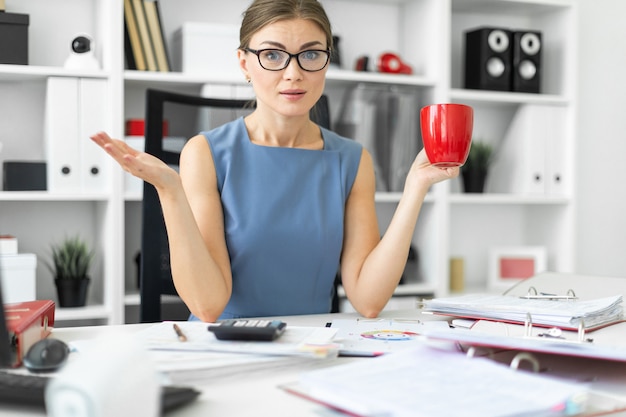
(140, 164)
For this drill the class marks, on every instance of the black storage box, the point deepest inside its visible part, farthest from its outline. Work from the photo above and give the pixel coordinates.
(13, 38)
(24, 176)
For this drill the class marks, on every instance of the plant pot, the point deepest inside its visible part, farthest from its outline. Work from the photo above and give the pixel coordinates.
(474, 180)
(72, 292)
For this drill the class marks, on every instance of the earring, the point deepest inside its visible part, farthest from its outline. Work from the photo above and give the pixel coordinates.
(248, 80)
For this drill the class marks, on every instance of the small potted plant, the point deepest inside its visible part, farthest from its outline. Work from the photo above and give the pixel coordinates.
(71, 260)
(476, 168)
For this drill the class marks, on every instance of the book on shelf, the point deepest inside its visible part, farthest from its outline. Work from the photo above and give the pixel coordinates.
(155, 27)
(144, 34)
(133, 50)
(567, 314)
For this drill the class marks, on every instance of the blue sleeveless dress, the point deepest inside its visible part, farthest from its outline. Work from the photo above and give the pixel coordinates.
(283, 216)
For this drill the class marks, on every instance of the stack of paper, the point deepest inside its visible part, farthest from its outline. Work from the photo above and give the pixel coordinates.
(566, 314)
(429, 382)
(202, 357)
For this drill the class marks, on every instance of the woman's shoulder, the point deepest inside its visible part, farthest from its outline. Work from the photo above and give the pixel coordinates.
(335, 142)
(230, 130)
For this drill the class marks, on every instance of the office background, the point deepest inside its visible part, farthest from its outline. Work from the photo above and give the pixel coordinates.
(597, 235)
(601, 197)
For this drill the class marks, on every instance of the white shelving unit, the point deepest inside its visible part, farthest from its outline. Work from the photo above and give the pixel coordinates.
(428, 34)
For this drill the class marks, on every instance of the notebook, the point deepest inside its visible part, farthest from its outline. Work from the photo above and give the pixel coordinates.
(29, 389)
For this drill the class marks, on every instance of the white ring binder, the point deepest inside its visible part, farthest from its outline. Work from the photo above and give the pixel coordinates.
(525, 356)
(532, 294)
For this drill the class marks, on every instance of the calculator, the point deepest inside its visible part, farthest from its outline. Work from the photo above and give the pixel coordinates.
(240, 329)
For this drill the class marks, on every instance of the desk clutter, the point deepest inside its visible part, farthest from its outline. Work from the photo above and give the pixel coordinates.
(419, 382)
(547, 311)
(189, 353)
(413, 363)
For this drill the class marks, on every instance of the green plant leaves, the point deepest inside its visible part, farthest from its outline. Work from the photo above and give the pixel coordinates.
(71, 259)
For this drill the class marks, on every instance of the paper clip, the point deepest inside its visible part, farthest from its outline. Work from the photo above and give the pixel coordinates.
(533, 295)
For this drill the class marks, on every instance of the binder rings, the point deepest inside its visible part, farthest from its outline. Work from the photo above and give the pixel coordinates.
(431, 382)
(547, 311)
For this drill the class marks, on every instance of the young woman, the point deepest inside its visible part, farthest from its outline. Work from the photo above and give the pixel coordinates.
(268, 208)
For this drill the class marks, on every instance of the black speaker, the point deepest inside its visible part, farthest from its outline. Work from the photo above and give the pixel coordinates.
(23, 176)
(488, 59)
(526, 61)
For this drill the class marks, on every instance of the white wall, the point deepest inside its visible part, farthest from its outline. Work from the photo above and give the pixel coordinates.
(601, 165)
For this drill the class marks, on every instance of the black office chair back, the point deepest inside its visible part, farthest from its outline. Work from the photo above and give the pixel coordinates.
(186, 115)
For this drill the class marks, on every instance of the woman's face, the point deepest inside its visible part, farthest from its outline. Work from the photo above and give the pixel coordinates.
(291, 91)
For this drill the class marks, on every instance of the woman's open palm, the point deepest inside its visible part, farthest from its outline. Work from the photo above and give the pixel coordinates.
(140, 164)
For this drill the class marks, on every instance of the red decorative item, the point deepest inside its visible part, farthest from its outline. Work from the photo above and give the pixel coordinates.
(393, 64)
(136, 127)
(27, 323)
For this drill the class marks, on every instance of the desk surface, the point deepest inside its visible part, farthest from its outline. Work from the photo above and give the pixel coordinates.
(258, 393)
(239, 395)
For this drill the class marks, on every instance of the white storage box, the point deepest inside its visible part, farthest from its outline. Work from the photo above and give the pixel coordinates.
(8, 245)
(17, 273)
(207, 49)
(133, 185)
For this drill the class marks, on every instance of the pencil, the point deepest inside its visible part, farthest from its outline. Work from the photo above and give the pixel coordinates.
(179, 333)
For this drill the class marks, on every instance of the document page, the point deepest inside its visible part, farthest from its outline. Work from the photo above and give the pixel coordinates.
(192, 354)
(372, 337)
(566, 314)
(428, 382)
(295, 341)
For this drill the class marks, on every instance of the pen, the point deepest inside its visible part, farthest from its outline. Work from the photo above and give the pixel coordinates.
(179, 333)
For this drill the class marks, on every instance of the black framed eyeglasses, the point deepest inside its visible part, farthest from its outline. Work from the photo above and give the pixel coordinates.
(310, 60)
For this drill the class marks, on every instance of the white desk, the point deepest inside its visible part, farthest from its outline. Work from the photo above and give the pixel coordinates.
(258, 393)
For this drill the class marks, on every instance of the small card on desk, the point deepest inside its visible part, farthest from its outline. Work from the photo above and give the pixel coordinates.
(375, 337)
(27, 323)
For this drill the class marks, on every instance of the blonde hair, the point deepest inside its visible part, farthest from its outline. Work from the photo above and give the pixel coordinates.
(264, 12)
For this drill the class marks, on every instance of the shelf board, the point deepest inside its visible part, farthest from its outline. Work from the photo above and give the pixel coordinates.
(487, 198)
(96, 312)
(336, 75)
(394, 197)
(518, 7)
(133, 196)
(506, 97)
(35, 73)
(46, 196)
(133, 299)
(172, 79)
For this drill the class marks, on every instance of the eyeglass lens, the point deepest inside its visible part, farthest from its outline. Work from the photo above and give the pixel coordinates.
(276, 59)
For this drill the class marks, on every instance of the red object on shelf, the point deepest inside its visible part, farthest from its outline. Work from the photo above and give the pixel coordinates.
(393, 64)
(27, 323)
(136, 127)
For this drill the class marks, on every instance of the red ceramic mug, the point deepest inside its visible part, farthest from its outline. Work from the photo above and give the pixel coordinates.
(447, 133)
